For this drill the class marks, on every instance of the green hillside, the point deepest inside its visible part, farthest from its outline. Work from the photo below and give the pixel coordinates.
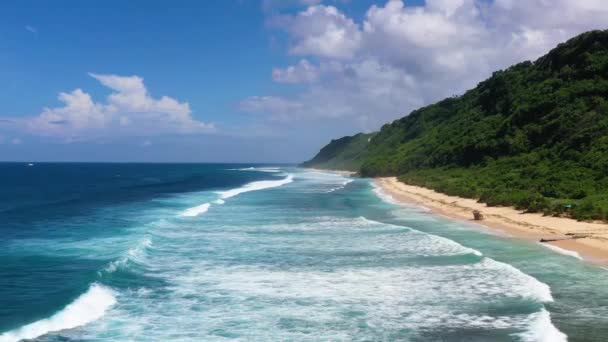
(346, 153)
(534, 136)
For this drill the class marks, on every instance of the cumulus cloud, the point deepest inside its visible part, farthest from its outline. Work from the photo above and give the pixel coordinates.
(323, 31)
(129, 110)
(303, 72)
(399, 57)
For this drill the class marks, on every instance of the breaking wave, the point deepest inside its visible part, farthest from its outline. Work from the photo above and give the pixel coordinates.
(562, 251)
(254, 186)
(87, 308)
(195, 211)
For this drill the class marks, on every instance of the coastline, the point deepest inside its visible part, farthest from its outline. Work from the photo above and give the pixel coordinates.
(341, 172)
(508, 220)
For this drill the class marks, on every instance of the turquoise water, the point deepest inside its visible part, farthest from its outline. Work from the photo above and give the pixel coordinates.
(145, 252)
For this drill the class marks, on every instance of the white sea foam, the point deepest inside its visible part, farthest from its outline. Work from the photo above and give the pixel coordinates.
(561, 250)
(268, 169)
(391, 200)
(253, 186)
(219, 201)
(392, 298)
(541, 329)
(494, 272)
(87, 308)
(134, 253)
(342, 186)
(383, 195)
(260, 169)
(322, 182)
(427, 244)
(523, 284)
(195, 211)
(316, 302)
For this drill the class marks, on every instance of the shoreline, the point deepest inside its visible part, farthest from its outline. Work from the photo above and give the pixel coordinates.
(507, 220)
(340, 172)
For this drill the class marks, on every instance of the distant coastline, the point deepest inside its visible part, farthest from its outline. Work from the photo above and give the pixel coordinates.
(342, 172)
(508, 220)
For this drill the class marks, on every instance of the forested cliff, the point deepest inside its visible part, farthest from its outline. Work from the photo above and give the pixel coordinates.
(534, 136)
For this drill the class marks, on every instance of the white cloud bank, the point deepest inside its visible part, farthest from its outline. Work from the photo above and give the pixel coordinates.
(400, 57)
(128, 111)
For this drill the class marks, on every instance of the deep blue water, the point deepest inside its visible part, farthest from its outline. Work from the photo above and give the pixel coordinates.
(92, 252)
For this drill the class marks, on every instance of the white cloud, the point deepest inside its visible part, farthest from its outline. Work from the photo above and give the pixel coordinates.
(365, 91)
(303, 72)
(128, 111)
(323, 31)
(31, 29)
(400, 57)
(78, 113)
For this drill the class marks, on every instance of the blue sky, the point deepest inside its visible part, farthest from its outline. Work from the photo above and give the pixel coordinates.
(211, 53)
(247, 80)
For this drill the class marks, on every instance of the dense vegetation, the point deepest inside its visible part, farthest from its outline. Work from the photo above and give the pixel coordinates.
(346, 153)
(534, 136)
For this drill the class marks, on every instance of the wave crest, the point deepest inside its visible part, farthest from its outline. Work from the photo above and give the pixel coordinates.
(561, 250)
(87, 308)
(541, 329)
(344, 184)
(195, 211)
(135, 253)
(254, 186)
(260, 169)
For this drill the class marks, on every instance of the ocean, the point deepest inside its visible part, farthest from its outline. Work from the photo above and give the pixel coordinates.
(213, 252)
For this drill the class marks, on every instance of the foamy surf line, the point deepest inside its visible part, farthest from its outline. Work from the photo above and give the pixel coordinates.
(344, 184)
(195, 211)
(260, 169)
(87, 308)
(541, 329)
(562, 250)
(254, 186)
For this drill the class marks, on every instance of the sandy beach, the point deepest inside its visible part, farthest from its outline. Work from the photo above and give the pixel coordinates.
(508, 220)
